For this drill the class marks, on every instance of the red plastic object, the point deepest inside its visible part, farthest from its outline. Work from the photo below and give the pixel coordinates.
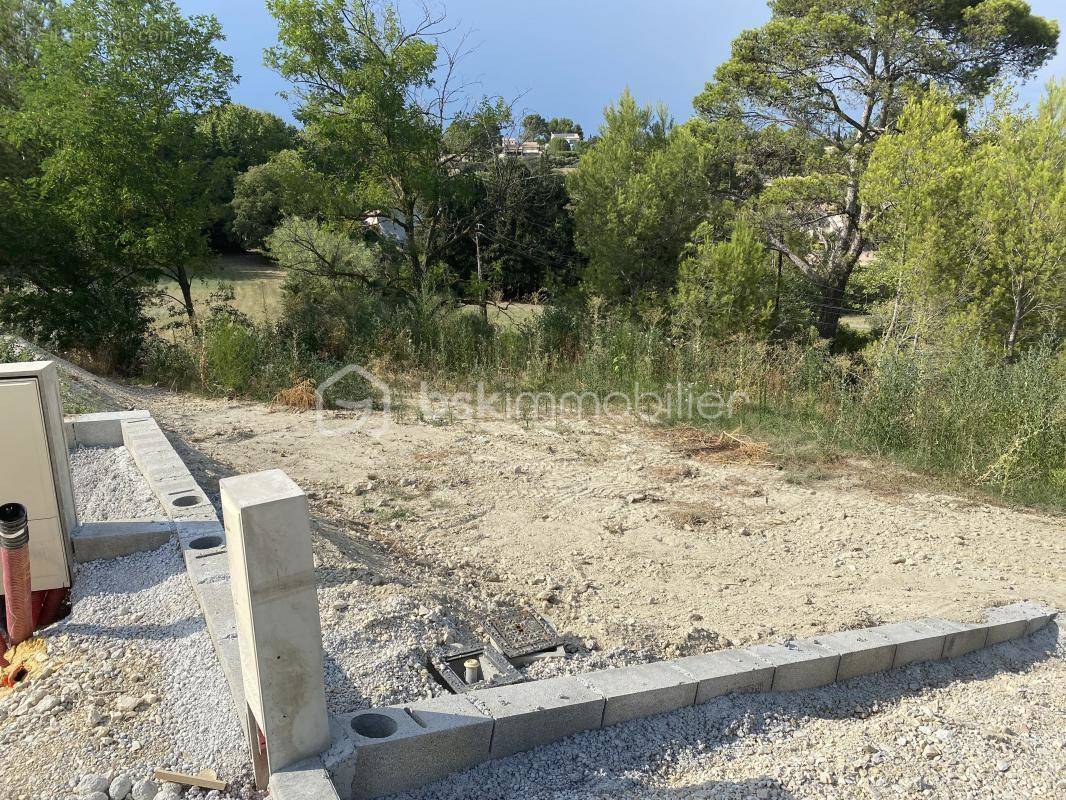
(17, 594)
(15, 558)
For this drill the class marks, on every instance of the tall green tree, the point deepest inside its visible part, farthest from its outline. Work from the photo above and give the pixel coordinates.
(840, 71)
(728, 287)
(238, 138)
(637, 195)
(112, 106)
(535, 128)
(245, 136)
(525, 231)
(376, 99)
(974, 222)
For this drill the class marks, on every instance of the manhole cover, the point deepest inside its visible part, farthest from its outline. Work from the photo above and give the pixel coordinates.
(521, 633)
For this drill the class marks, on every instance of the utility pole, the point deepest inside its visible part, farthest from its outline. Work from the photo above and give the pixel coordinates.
(480, 277)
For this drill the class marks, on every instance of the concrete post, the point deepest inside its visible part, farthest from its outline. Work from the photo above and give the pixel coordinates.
(279, 633)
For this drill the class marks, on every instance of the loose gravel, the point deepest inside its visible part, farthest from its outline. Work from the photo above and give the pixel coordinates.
(109, 486)
(991, 725)
(129, 682)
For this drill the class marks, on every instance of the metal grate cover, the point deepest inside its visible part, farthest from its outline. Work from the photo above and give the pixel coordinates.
(521, 632)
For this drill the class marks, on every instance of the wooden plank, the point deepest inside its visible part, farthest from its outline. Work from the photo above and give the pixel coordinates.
(206, 779)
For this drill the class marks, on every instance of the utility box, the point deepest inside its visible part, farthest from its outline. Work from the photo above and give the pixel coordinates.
(35, 467)
(268, 540)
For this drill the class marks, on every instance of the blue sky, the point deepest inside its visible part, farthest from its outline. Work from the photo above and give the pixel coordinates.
(565, 58)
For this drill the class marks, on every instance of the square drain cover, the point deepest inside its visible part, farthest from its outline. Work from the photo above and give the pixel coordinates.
(463, 669)
(521, 633)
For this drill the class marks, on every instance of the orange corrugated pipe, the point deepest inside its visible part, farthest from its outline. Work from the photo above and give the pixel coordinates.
(15, 558)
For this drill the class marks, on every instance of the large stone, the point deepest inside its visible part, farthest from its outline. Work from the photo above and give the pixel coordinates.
(120, 787)
(727, 671)
(527, 715)
(93, 783)
(642, 690)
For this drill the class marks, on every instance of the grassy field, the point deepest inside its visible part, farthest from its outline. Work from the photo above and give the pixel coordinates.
(256, 282)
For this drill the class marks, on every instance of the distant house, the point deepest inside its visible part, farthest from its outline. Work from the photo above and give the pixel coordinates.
(385, 226)
(572, 139)
(513, 147)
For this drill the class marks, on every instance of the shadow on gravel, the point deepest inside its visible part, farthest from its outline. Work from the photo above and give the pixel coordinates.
(179, 629)
(635, 760)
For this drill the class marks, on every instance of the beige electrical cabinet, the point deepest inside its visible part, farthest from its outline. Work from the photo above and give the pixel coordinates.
(35, 469)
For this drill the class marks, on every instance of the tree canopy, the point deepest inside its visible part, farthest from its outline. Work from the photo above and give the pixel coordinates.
(840, 71)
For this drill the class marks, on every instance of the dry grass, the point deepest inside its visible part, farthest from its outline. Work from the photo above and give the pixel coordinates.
(432, 456)
(689, 516)
(726, 446)
(300, 396)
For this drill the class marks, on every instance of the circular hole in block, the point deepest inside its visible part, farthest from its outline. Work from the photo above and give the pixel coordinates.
(206, 542)
(185, 501)
(374, 726)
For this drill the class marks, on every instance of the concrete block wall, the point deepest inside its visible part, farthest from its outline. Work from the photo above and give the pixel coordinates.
(100, 430)
(196, 525)
(386, 750)
(180, 497)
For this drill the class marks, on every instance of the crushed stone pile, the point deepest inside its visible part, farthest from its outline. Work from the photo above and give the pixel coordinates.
(108, 486)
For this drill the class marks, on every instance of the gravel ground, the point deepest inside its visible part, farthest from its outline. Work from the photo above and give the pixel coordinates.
(129, 682)
(990, 725)
(109, 486)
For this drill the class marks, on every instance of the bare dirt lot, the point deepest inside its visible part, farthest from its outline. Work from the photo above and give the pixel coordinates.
(638, 543)
(628, 537)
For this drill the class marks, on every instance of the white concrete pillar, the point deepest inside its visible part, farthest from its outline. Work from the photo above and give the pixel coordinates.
(268, 537)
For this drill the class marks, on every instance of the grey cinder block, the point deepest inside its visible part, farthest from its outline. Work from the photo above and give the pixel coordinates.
(102, 430)
(727, 671)
(798, 665)
(861, 651)
(642, 690)
(304, 780)
(915, 642)
(1016, 620)
(959, 638)
(93, 541)
(389, 750)
(532, 714)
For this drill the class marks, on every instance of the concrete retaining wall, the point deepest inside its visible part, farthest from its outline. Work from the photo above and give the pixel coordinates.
(386, 750)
